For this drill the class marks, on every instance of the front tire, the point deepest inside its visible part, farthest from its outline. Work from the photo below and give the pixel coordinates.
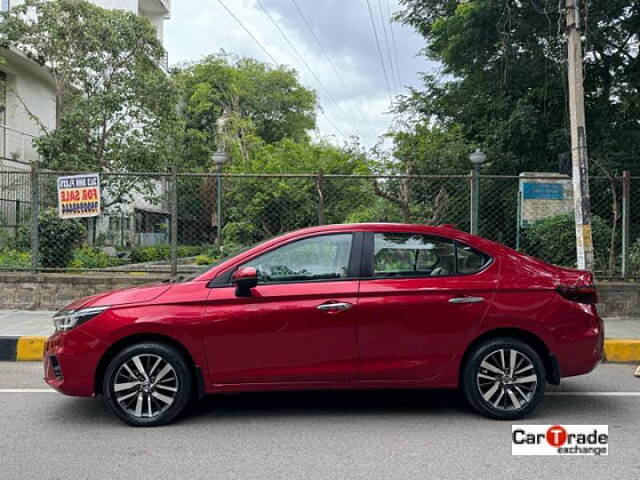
(504, 378)
(148, 384)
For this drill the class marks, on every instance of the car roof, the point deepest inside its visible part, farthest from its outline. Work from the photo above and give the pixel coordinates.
(448, 231)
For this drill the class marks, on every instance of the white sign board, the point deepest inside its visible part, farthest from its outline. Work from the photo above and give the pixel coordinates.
(544, 197)
(79, 196)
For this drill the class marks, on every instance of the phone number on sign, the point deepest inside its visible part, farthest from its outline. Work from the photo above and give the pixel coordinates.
(82, 207)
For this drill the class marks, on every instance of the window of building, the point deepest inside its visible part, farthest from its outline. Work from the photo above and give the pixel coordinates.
(3, 112)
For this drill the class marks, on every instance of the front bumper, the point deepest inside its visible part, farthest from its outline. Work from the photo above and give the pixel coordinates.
(70, 362)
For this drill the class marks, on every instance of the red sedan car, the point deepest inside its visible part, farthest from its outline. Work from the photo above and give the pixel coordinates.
(335, 307)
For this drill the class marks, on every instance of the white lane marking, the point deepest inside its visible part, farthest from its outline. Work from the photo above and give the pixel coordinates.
(596, 394)
(27, 390)
(566, 394)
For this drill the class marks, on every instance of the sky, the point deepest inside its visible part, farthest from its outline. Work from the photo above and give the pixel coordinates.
(353, 101)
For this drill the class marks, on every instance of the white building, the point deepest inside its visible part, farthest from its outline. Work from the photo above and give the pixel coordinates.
(28, 103)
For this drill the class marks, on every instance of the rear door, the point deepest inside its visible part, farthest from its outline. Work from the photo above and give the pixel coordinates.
(422, 296)
(298, 325)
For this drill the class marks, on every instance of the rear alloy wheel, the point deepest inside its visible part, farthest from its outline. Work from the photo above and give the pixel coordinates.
(504, 378)
(147, 384)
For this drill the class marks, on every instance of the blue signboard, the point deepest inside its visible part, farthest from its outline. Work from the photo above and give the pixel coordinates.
(542, 191)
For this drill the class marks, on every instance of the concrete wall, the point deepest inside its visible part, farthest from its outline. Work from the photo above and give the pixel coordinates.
(54, 291)
(619, 299)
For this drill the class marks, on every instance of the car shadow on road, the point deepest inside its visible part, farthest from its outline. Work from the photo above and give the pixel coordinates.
(415, 403)
(440, 404)
(334, 403)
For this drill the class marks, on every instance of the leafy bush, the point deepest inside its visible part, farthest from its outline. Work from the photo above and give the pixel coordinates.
(553, 240)
(162, 252)
(204, 260)
(240, 233)
(10, 258)
(89, 257)
(152, 253)
(58, 238)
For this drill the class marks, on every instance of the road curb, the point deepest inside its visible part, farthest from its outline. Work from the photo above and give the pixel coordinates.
(622, 350)
(24, 348)
(30, 348)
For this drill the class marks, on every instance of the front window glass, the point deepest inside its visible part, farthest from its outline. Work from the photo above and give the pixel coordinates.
(317, 258)
(405, 255)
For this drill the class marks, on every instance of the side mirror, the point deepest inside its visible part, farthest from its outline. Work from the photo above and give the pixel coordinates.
(244, 279)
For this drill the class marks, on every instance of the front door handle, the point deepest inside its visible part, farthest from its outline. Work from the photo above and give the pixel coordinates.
(466, 300)
(334, 306)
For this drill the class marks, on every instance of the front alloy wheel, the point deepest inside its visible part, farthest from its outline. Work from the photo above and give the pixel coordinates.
(504, 378)
(147, 384)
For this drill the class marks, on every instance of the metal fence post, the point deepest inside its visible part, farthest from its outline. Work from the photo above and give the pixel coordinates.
(475, 185)
(18, 214)
(319, 188)
(626, 204)
(219, 204)
(35, 217)
(173, 199)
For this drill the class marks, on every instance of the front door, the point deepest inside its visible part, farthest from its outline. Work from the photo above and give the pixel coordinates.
(298, 325)
(423, 296)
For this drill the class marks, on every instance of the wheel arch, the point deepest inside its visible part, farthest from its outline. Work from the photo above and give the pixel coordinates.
(132, 339)
(534, 341)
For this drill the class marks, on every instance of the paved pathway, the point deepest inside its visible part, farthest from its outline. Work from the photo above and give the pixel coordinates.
(18, 322)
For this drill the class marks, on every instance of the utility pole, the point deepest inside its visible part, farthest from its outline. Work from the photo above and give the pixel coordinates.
(579, 157)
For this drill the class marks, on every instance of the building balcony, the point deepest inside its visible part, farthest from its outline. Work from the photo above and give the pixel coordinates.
(163, 63)
(155, 7)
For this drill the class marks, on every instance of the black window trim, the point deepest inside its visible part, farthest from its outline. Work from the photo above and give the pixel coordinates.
(223, 280)
(367, 260)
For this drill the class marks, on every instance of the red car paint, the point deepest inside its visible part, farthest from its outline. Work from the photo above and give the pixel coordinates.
(398, 332)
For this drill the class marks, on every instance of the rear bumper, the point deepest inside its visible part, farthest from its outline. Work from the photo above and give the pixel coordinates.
(579, 351)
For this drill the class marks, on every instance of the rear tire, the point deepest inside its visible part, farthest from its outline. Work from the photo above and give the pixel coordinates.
(148, 384)
(504, 378)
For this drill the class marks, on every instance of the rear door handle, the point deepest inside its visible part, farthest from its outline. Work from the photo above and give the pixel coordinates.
(334, 306)
(466, 300)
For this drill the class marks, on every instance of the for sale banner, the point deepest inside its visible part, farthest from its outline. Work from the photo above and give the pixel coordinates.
(79, 196)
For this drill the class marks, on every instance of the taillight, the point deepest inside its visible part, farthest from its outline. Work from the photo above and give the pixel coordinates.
(586, 294)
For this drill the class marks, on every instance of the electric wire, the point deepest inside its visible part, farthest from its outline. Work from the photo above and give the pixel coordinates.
(275, 62)
(308, 67)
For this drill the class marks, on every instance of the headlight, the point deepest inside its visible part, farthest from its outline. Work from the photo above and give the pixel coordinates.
(66, 320)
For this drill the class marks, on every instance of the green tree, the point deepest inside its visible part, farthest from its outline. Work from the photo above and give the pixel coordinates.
(256, 208)
(116, 108)
(502, 82)
(261, 104)
(503, 78)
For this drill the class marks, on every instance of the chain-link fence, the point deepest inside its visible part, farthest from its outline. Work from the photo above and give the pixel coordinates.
(176, 223)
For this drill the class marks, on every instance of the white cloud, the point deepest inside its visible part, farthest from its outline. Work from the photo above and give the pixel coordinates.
(198, 28)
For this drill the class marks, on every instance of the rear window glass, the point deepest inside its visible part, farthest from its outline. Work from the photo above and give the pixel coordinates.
(415, 255)
(403, 255)
(470, 260)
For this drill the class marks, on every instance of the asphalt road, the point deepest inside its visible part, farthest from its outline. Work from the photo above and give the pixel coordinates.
(362, 435)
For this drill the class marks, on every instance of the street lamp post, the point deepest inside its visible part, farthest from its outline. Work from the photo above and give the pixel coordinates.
(477, 158)
(219, 159)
